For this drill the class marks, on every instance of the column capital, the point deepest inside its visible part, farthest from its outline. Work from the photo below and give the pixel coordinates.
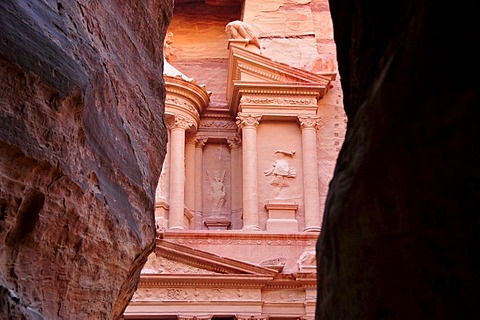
(234, 142)
(201, 142)
(179, 122)
(309, 121)
(248, 120)
(191, 139)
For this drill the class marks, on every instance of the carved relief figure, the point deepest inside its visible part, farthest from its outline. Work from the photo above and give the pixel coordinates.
(280, 170)
(168, 50)
(216, 189)
(240, 30)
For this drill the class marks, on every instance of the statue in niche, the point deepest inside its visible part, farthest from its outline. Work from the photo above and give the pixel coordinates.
(216, 189)
(281, 170)
(240, 30)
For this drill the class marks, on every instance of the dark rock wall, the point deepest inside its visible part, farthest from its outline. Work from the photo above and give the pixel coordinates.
(82, 141)
(402, 222)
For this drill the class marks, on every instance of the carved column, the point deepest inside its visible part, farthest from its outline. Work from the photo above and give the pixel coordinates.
(177, 172)
(162, 192)
(198, 182)
(311, 196)
(249, 123)
(234, 144)
(190, 158)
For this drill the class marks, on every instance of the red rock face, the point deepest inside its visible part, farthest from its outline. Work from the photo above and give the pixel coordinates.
(401, 230)
(82, 141)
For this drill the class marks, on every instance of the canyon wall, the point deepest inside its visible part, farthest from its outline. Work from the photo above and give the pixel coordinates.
(401, 229)
(82, 142)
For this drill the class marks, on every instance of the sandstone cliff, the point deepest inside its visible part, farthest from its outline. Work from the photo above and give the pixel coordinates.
(82, 141)
(401, 229)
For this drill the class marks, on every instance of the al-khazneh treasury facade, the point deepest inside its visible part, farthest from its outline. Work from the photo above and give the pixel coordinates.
(239, 202)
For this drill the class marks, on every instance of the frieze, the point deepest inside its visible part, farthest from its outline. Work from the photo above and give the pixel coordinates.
(196, 294)
(218, 124)
(182, 103)
(278, 101)
(246, 242)
(284, 296)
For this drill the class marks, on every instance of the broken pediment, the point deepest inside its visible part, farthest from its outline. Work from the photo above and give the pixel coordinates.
(201, 262)
(258, 78)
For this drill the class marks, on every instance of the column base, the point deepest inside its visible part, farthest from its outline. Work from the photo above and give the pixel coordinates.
(176, 228)
(251, 228)
(312, 229)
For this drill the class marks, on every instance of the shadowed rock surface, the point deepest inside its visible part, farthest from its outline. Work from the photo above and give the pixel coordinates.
(82, 141)
(402, 222)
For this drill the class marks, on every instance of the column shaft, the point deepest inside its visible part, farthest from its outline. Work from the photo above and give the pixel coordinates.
(249, 124)
(311, 196)
(190, 172)
(236, 180)
(199, 183)
(177, 179)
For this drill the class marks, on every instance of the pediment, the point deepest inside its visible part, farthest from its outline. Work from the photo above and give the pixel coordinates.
(245, 65)
(255, 75)
(174, 258)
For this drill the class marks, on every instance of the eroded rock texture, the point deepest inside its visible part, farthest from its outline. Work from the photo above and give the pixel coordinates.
(401, 232)
(82, 141)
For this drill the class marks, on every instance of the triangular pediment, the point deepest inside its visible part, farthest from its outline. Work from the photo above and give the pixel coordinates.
(248, 66)
(174, 258)
(250, 73)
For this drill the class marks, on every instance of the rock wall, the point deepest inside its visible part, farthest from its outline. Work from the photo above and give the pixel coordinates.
(82, 141)
(401, 229)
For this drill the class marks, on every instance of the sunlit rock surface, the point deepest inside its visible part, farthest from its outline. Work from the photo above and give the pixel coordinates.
(401, 230)
(82, 141)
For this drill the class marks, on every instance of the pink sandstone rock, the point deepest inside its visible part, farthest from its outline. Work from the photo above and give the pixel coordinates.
(82, 141)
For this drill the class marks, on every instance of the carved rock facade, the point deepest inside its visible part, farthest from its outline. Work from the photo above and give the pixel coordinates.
(249, 158)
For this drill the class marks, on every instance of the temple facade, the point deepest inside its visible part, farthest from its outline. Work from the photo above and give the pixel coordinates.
(255, 121)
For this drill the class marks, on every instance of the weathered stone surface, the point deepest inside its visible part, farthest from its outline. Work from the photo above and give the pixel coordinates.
(82, 140)
(401, 232)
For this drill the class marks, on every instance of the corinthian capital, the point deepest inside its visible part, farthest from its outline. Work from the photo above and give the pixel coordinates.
(191, 139)
(309, 121)
(179, 122)
(248, 120)
(234, 142)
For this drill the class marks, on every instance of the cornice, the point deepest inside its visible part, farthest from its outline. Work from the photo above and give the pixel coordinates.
(200, 280)
(239, 237)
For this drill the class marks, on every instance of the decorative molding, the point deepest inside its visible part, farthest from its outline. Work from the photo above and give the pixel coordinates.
(279, 101)
(197, 293)
(218, 124)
